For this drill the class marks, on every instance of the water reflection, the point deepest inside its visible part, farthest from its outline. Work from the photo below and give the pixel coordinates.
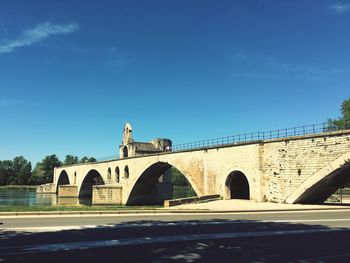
(45, 199)
(29, 197)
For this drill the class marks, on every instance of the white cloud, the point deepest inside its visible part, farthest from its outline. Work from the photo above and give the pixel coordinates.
(36, 34)
(4, 103)
(340, 8)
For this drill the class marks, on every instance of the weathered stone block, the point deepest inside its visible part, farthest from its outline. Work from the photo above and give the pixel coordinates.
(67, 201)
(67, 191)
(49, 188)
(106, 195)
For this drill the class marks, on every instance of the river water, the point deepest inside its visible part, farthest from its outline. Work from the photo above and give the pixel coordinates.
(29, 197)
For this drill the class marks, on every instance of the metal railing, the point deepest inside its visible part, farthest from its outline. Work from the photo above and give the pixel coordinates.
(251, 137)
(256, 136)
(108, 158)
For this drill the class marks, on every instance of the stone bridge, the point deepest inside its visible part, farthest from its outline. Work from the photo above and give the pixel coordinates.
(299, 169)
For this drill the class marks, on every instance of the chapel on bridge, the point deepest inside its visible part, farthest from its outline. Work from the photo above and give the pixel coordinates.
(131, 148)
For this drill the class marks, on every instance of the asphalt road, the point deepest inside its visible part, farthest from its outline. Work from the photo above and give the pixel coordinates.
(308, 236)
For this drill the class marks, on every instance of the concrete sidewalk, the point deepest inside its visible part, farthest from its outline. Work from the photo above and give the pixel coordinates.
(217, 206)
(247, 206)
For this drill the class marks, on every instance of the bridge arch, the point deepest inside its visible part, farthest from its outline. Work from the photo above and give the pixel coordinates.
(92, 178)
(144, 189)
(322, 184)
(63, 179)
(236, 185)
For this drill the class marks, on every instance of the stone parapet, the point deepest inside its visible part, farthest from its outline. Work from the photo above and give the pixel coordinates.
(49, 188)
(189, 200)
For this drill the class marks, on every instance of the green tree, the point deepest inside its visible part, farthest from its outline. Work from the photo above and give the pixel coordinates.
(181, 187)
(92, 160)
(70, 159)
(38, 175)
(86, 159)
(345, 109)
(178, 179)
(22, 170)
(343, 122)
(43, 171)
(48, 164)
(17, 171)
(6, 171)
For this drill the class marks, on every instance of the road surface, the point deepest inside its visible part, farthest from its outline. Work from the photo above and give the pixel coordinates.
(303, 236)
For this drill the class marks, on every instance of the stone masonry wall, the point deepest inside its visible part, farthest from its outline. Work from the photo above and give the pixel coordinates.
(274, 169)
(46, 188)
(288, 163)
(106, 194)
(67, 191)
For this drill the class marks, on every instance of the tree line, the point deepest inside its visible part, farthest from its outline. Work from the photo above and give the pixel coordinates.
(19, 170)
(343, 122)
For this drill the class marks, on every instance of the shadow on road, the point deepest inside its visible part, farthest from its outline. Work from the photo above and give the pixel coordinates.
(181, 241)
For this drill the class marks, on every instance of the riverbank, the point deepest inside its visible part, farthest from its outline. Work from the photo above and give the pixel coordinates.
(80, 208)
(18, 187)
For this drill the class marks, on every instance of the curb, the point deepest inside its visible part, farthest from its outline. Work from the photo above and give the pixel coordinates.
(164, 211)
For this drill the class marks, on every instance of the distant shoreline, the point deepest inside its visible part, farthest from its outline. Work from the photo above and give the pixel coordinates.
(17, 187)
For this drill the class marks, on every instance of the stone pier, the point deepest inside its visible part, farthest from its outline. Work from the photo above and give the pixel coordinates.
(68, 191)
(49, 188)
(106, 195)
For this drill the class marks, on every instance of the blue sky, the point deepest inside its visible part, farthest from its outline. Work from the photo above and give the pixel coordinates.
(73, 72)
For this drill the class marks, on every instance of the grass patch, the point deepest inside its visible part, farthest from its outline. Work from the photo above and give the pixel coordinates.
(42, 208)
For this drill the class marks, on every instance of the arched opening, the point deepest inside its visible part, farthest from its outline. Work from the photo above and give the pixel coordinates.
(126, 172)
(117, 175)
(237, 186)
(327, 187)
(62, 179)
(109, 174)
(125, 151)
(157, 183)
(92, 178)
(181, 186)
